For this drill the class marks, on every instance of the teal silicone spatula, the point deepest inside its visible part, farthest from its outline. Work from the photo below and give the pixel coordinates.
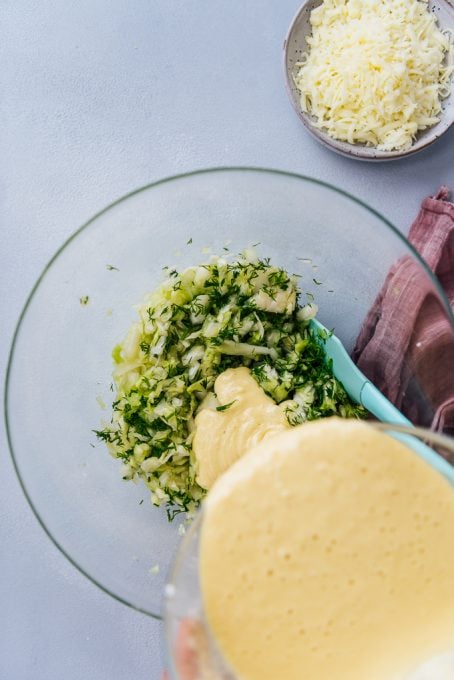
(357, 386)
(361, 390)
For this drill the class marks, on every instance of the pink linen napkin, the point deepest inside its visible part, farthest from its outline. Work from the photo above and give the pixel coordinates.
(406, 344)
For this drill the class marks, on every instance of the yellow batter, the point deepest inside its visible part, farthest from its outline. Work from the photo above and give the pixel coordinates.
(327, 553)
(250, 416)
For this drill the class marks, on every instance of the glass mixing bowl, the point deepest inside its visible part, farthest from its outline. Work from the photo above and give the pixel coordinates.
(59, 373)
(189, 643)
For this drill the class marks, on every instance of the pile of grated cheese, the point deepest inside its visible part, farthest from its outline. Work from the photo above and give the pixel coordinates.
(376, 70)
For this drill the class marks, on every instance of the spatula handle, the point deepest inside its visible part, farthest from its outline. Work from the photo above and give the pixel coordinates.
(376, 402)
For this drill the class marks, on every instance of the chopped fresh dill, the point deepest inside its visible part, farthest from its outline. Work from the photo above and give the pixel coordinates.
(225, 406)
(84, 300)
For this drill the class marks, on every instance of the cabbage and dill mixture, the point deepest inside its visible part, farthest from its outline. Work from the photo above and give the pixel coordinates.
(193, 327)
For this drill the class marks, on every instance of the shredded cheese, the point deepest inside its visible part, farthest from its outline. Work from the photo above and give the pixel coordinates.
(376, 70)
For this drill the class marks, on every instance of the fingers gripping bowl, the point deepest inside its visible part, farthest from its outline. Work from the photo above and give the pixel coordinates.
(60, 367)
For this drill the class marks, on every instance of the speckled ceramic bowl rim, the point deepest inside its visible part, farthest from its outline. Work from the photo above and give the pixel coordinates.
(362, 153)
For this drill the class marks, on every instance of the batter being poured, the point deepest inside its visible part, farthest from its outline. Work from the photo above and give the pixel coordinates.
(328, 552)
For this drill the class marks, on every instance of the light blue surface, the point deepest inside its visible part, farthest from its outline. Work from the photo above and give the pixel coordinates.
(98, 98)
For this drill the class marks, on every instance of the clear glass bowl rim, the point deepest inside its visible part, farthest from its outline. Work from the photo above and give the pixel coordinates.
(180, 176)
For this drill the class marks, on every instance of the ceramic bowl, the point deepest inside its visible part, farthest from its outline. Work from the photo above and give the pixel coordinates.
(295, 46)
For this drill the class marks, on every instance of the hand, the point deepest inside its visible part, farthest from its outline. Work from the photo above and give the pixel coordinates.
(186, 652)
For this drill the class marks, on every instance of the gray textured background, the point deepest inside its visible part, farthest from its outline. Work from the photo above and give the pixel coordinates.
(98, 98)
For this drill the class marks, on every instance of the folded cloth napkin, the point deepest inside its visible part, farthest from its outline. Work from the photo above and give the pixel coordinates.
(406, 344)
